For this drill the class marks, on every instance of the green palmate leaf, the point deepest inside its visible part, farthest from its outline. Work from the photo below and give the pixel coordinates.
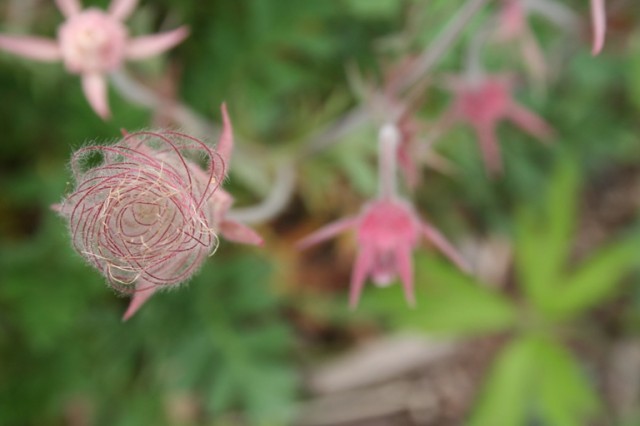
(535, 378)
(505, 398)
(596, 279)
(455, 303)
(448, 301)
(564, 395)
(543, 239)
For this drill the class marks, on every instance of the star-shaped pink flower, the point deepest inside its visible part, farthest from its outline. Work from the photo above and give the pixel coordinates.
(387, 232)
(93, 43)
(484, 103)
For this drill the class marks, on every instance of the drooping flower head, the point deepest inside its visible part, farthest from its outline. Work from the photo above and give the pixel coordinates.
(147, 210)
(387, 231)
(93, 43)
(485, 102)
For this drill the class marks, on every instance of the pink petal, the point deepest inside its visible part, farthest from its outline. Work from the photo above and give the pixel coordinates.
(441, 243)
(490, 148)
(599, 17)
(147, 46)
(240, 233)
(326, 232)
(122, 9)
(405, 270)
(359, 274)
(225, 144)
(40, 49)
(530, 122)
(143, 292)
(62, 209)
(95, 90)
(68, 7)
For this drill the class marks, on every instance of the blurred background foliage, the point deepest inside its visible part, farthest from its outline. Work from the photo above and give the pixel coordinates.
(237, 344)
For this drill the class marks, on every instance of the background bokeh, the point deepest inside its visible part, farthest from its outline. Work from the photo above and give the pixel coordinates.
(263, 336)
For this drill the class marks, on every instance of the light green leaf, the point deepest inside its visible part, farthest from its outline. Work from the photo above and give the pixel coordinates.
(596, 279)
(504, 400)
(543, 239)
(456, 303)
(565, 396)
(448, 301)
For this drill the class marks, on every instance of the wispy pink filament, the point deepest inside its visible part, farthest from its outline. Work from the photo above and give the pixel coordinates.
(143, 214)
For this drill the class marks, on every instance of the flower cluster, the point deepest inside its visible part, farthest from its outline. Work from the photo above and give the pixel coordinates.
(93, 43)
(146, 214)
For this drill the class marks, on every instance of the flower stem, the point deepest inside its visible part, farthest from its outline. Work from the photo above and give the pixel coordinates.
(389, 139)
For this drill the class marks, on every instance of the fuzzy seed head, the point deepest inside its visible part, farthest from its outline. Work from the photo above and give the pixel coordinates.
(141, 209)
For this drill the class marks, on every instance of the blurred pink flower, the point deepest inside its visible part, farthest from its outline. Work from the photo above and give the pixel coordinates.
(599, 18)
(483, 103)
(387, 232)
(93, 43)
(147, 214)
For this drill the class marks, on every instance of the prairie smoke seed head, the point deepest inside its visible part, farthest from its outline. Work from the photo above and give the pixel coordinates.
(143, 213)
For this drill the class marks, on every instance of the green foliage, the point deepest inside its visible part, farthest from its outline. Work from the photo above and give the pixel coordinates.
(451, 304)
(504, 401)
(223, 338)
(534, 376)
(224, 343)
(543, 248)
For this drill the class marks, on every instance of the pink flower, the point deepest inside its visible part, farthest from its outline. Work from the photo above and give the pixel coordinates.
(387, 229)
(387, 232)
(147, 215)
(483, 103)
(599, 18)
(93, 43)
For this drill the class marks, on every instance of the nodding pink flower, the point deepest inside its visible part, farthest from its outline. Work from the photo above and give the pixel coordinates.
(93, 43)
(387, 231)
(146, 214)
(484, 103)
(599, 17)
